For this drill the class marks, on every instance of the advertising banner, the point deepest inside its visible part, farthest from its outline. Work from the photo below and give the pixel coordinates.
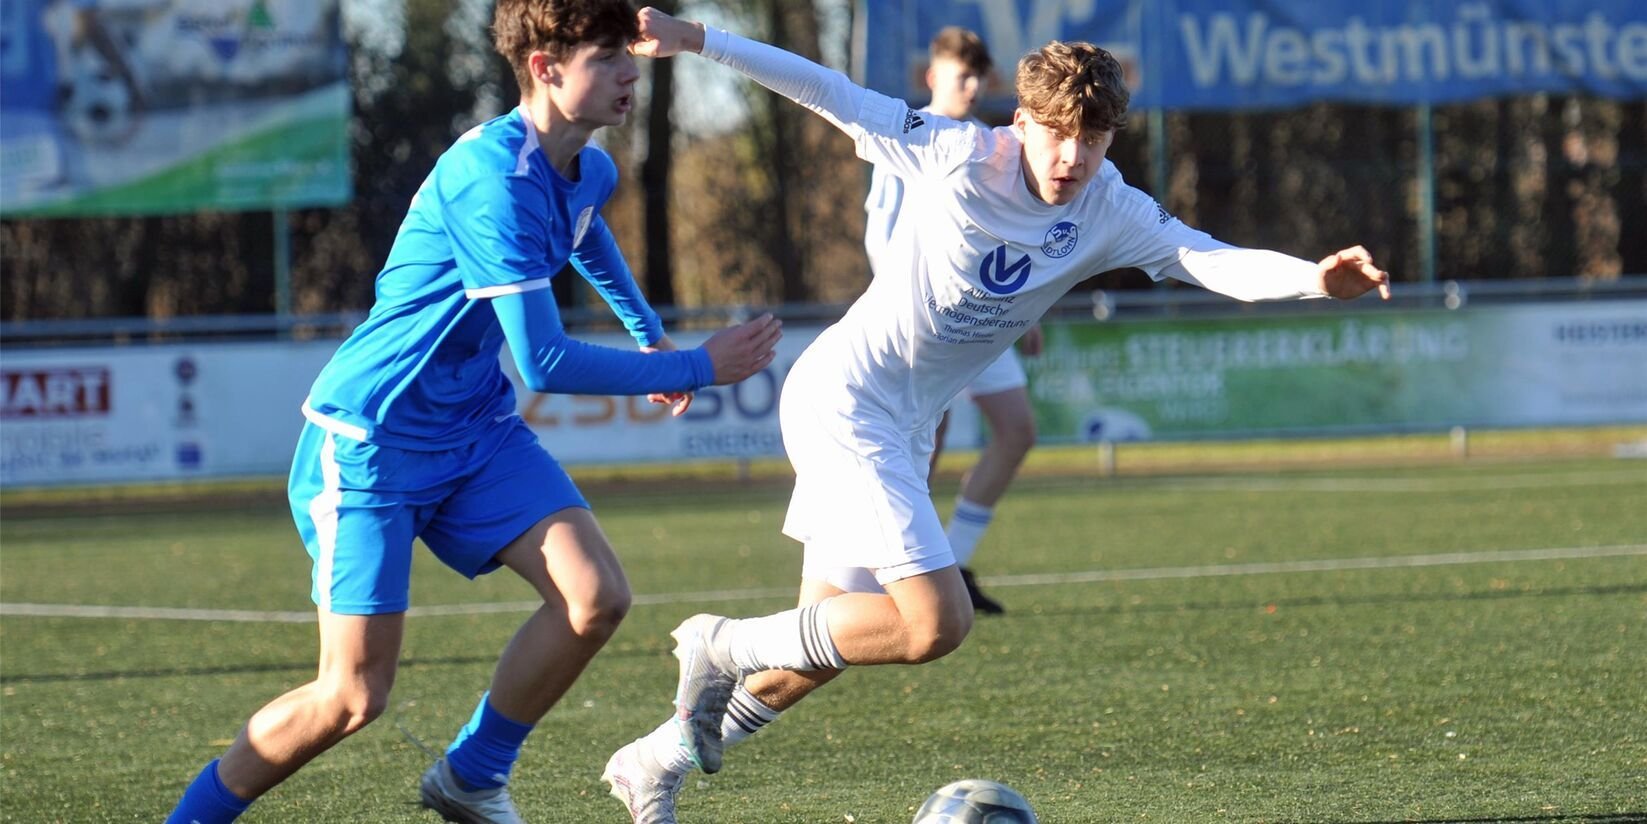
(1243, 54)
(1558, 364)
(162, 106)
(737, 421)
(153, 413)
(94, 415)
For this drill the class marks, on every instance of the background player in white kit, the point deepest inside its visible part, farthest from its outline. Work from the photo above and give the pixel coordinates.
(1011, 219)
(958, 70)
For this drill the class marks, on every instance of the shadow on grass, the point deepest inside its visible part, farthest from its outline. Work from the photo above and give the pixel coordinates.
(1597, 818)
(307, 664)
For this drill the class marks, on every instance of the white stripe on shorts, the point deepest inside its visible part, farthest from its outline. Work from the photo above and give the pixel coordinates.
(323, 512)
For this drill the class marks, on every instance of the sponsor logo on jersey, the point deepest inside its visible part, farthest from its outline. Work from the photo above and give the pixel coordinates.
(912, 121)
(1000, 278)
(1060, 240)
(585, 217)
(1161, 215)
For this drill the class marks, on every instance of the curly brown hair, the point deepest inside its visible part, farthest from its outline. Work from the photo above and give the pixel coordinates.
(558, 28)
(1076, 89)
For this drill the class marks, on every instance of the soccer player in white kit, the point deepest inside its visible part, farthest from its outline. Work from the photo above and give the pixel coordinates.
(1012, 217)
(958, 69)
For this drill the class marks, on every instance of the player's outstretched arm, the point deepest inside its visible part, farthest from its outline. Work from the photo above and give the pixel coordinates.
(824, 90)
(1163, 246)
(551, 361)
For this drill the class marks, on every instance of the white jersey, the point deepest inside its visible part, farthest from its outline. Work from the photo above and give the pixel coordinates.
(884, 203)
(982, 258)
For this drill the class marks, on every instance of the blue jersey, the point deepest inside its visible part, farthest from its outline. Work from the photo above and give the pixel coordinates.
(493, 222)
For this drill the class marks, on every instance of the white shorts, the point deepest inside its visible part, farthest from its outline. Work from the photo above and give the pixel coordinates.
(1003, 373)
(861, 502)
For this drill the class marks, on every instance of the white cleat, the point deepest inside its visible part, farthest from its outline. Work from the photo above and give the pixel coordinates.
(649, 793)
(707, 679)
(442, 793)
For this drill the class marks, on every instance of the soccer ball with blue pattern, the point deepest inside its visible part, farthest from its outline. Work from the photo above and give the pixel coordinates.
(975, 801)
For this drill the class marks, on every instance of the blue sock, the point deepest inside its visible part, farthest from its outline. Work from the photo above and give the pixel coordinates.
(486, 748)
(207, 801)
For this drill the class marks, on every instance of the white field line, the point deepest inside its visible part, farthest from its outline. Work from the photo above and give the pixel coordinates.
(1253, 483)
(1047, 579)
(1324, 565)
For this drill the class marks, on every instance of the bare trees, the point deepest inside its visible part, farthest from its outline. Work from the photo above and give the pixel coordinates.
(758, 201)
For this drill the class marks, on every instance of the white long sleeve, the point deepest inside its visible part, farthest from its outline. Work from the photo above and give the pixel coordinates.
(885, 129)
(1247, 274)
(823, 90)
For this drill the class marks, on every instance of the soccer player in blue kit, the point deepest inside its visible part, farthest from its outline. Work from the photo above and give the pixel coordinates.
(412, 430)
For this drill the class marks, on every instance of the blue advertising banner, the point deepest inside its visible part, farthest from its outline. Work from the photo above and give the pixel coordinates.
(157, 106)
(1240, 54)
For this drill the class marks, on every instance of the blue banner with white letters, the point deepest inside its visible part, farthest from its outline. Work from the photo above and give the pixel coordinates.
(1244, 54)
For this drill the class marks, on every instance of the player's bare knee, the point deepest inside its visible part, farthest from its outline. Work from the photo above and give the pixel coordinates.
(351, 706)
(596, 618)
(1019, 438)
(931, 640)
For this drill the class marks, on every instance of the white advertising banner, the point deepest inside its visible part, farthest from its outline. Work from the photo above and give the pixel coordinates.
(155, 413)
(738, 421)
(93, 415)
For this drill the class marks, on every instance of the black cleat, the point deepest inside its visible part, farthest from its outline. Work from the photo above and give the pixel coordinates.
(980, 602)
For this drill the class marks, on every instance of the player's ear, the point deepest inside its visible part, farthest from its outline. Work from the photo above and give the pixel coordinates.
(931, 78)
(546, 71)
(1020, 118)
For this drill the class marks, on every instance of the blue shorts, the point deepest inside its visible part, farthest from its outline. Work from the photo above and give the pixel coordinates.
(359, 505)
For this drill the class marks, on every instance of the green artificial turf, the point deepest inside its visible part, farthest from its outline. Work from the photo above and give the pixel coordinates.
(1168, 661)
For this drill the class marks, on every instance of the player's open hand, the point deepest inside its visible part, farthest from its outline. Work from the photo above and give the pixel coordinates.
(743, 350)
(1350, 274)
(665, 36)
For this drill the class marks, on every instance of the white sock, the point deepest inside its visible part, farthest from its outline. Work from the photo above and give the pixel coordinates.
(796, 639)
(966, 528)
(745, 716)
(664, 745)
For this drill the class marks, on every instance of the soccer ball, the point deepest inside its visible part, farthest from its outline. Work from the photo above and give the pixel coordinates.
(975, 801)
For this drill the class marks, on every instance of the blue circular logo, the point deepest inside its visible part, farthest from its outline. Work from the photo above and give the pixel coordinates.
(1001, 277)
(1060, 240)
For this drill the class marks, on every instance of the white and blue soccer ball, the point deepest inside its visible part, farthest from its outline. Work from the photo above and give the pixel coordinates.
(975, 801)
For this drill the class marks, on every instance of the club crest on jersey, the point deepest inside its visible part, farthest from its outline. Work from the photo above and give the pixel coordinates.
(1060, 240)
(585, 217)
(912, 121)
(1000, 278)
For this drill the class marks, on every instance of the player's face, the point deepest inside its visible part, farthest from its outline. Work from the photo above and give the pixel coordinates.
(596, 84)
(955, 87)
(1058, 167)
